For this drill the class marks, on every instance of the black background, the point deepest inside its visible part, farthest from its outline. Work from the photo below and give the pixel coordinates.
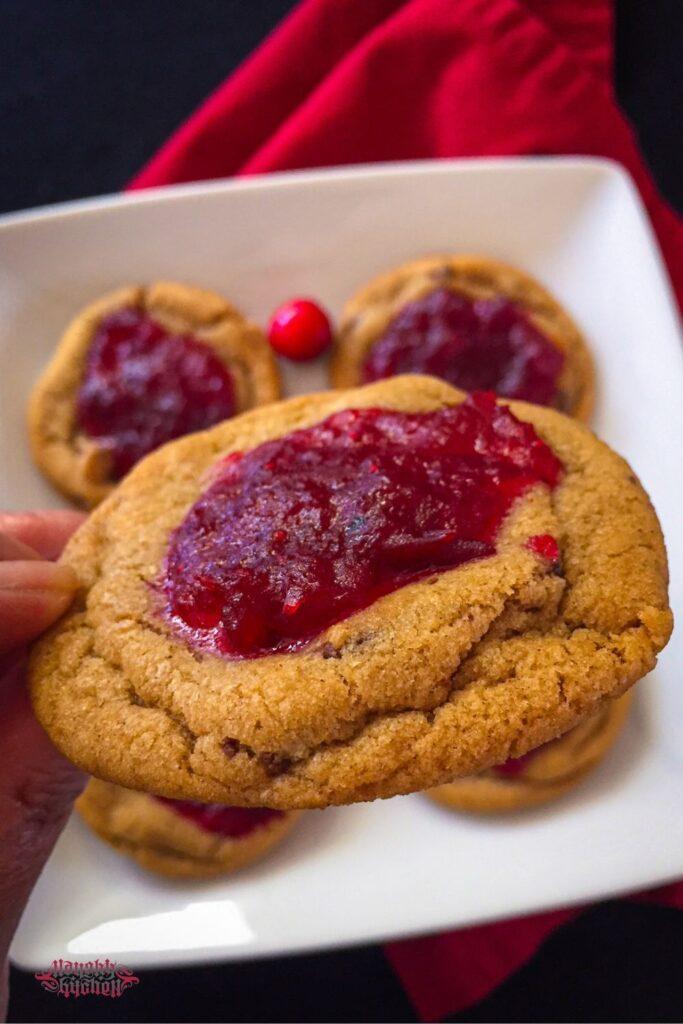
(88, 90)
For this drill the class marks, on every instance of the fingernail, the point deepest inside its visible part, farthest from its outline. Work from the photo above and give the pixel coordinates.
(63, 577)
(38, 575)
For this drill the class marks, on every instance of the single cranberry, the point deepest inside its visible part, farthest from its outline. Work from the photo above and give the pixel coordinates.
(232, 822)
(143, 386)
(299, 330)
(482, 344)
(545, 545)
(307, 529)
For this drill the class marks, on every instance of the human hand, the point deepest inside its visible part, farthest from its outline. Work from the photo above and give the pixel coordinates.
(37, 785)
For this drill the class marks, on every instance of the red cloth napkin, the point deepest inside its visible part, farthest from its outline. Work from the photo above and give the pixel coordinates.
(345, 81)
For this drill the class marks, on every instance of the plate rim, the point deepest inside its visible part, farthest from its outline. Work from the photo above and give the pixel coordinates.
(608, 169)
(338, 173)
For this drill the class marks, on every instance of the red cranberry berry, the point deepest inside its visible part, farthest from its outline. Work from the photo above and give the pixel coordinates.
(300, 330)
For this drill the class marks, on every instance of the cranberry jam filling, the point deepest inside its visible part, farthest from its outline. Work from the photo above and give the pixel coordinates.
(485, 344)
(143, 386)
(307, 529)
(545, 545)
(514, 767)
(232, 822)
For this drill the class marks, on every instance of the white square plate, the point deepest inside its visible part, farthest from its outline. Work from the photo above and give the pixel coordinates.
(403, 866)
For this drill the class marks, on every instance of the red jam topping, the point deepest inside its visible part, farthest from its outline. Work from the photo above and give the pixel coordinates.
(143, 386)
(307, 529)
(485, 344)
(221, 820)
(545, 545)
(515, 766)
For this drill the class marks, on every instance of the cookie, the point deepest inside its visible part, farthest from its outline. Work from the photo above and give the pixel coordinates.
(542, 775)
(472, 321)
(177, 839)
(532, 589)
(136, 369)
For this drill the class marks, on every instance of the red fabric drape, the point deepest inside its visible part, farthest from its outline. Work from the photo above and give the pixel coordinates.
(349, 81)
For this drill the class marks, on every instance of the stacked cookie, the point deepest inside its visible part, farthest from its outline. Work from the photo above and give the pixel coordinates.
(181, 838)
(380, 589)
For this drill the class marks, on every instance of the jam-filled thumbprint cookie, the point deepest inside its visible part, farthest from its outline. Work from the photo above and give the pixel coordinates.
(471, 321)
(352, 595)
(181, 838)
(542, 775)
(135, 369)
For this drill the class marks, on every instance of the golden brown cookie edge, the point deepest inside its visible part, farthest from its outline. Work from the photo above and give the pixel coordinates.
(487, 795)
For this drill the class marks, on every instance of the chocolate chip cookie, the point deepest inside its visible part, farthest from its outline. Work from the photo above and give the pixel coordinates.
(353, 595)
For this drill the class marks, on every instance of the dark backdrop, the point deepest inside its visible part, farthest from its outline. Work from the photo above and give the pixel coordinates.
(88, 90)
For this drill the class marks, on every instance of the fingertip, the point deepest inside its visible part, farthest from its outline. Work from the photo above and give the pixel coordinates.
(60, 577)
(33, 595)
